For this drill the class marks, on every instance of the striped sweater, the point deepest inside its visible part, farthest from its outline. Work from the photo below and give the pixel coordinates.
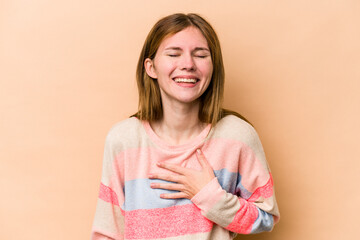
(239, 200)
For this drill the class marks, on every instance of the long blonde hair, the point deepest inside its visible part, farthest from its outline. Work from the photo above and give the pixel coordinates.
(150, 106)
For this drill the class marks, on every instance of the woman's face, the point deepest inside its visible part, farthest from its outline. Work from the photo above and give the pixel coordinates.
(182, 66)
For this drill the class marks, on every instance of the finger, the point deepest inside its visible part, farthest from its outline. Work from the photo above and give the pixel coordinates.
(166, 177)
(167, 186)
(174, 195)
(173, 168)
(202, 159)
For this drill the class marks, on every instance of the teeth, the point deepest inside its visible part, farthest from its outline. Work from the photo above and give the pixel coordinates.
(185, 80)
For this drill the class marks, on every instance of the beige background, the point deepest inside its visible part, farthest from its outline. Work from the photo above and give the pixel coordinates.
(67, 74)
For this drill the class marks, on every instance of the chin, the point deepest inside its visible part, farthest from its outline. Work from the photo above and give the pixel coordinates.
(188, 100)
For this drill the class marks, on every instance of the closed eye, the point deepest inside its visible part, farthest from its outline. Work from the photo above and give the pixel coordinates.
(202, 56)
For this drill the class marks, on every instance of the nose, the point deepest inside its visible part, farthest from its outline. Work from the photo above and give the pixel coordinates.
(188, 63)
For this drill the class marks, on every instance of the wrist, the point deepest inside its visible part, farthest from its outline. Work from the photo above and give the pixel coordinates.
(210, 194)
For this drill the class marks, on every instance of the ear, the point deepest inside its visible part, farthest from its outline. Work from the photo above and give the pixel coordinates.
(150, 68)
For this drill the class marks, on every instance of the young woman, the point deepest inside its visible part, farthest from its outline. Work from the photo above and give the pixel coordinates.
(182, 167)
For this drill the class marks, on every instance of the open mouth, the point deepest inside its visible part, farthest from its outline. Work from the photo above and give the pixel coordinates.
(186, 80)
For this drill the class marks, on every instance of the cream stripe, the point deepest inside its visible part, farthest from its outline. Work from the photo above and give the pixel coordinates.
(224, 211)
(268, 205)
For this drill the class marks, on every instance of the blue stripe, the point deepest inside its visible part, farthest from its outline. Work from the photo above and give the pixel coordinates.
(139, 194)
(231, 182)
(264, 222)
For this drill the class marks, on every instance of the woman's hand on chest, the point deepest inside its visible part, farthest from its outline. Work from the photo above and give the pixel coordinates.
(188, 182)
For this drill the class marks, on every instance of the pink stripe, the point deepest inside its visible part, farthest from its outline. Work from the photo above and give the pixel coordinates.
(108, 195)
(252, 171)
(244, 218)
(215, 150)
(264, 191)
(165, 222)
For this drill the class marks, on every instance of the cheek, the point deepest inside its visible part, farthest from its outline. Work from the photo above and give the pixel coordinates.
(207, 69)
(164, 67)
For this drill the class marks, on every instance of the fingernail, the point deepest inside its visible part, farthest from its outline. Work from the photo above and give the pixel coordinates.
(150, 175)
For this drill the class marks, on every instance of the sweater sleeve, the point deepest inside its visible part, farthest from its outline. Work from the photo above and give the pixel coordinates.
(252, 208)
(109, 217)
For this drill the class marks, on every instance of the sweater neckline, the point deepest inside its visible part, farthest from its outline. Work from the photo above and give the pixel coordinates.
(194, 142)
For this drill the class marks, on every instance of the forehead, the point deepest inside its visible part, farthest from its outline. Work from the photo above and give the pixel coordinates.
(190, 37)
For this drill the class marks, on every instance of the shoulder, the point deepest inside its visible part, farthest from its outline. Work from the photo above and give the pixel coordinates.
(235, 128)
(126, 126)
(125, 132)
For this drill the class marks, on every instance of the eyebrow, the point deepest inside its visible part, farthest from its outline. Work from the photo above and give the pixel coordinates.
(196, 49)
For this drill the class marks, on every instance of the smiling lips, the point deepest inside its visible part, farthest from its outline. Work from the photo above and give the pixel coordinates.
(186, 80)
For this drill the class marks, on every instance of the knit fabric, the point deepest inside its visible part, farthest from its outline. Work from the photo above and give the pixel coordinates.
(239, 200)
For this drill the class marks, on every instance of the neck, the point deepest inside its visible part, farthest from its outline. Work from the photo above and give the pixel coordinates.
(180, 123)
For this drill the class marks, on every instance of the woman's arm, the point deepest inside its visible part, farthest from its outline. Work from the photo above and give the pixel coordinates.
(109, 217)
(236, 213)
